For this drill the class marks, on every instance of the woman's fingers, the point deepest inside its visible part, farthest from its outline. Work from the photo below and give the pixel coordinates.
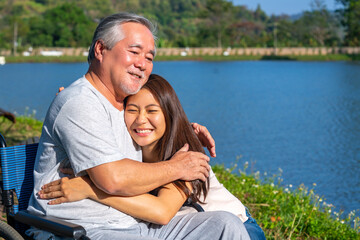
(52, 189)
(205, 138)
(65, 190)
(54, 183)
(50, 195)
(57, 201)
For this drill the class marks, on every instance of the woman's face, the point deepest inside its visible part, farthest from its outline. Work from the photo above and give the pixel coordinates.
(144, 118)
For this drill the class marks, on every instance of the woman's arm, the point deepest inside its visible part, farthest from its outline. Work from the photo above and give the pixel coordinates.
(158, 209)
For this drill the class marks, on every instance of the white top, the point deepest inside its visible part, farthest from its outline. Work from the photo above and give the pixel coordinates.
(219, 199)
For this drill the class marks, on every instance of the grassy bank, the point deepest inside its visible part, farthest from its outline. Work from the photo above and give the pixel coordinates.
(288, 212)
(45, 59)
(72, 59)
(284, 212)
(25, 128)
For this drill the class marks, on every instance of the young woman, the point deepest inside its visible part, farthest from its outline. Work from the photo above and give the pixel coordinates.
(157, 122)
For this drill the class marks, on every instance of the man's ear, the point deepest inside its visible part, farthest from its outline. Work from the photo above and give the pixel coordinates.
(99, 50)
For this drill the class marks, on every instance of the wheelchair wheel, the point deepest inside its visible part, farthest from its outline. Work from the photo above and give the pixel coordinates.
(9, 233)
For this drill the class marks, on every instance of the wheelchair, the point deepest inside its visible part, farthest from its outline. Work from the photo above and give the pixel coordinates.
(16, 186)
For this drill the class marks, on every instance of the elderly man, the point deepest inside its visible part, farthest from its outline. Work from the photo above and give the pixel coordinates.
(84, 129)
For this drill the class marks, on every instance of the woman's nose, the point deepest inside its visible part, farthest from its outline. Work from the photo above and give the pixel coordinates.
(141, 118)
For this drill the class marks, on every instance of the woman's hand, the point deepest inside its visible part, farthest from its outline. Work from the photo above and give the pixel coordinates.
(205, 138)
(60, 89)
(67, 190)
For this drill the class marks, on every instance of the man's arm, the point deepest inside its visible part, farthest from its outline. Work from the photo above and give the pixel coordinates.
(129, 178)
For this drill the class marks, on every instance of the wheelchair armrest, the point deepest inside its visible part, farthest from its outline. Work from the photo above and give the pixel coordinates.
(51, 224)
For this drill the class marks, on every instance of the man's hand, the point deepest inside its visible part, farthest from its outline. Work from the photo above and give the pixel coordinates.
(205, 138)
(192, 165)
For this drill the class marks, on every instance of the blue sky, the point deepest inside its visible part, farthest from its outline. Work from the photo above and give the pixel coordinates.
(283, 6)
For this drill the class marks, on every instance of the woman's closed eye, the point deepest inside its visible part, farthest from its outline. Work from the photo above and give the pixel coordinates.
(132, 110)
(152, 110)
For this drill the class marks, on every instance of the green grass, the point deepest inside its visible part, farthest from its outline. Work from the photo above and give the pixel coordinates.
(45, 59)
(25, 128)
(71, 59)
(283, 212)
(288, 212)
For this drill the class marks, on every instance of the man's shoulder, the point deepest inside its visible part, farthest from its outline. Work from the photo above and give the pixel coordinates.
(80, 92)
(79, 97)
(77, 89)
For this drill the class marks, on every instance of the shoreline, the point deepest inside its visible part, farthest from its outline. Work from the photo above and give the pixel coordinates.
(78, 59)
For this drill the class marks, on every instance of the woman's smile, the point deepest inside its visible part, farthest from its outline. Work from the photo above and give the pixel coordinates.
(143, 132)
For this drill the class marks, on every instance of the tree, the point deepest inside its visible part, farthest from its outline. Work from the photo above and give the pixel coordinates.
(62, 26)
(351, 21)
(259, 14)
(318, 27)
(218, 15)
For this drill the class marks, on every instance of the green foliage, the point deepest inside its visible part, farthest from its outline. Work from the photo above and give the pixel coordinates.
(351, 21)
(288, 212)
(181, 23)
(63, 26)
(26, 127)
(318, 28)
(45, 59)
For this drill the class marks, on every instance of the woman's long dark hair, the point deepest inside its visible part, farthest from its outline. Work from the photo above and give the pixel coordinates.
(178, 132)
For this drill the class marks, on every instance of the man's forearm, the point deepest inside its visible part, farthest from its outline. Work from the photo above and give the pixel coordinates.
(129, 178)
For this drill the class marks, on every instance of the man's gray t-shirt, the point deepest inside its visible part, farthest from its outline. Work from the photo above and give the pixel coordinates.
(81, 130)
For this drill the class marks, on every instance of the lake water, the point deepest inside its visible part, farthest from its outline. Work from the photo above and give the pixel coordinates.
(302, 117)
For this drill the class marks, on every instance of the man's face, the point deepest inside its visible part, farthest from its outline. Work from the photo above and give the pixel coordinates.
(129, 63)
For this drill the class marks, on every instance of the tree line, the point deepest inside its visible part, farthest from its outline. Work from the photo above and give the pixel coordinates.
(180, 23)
